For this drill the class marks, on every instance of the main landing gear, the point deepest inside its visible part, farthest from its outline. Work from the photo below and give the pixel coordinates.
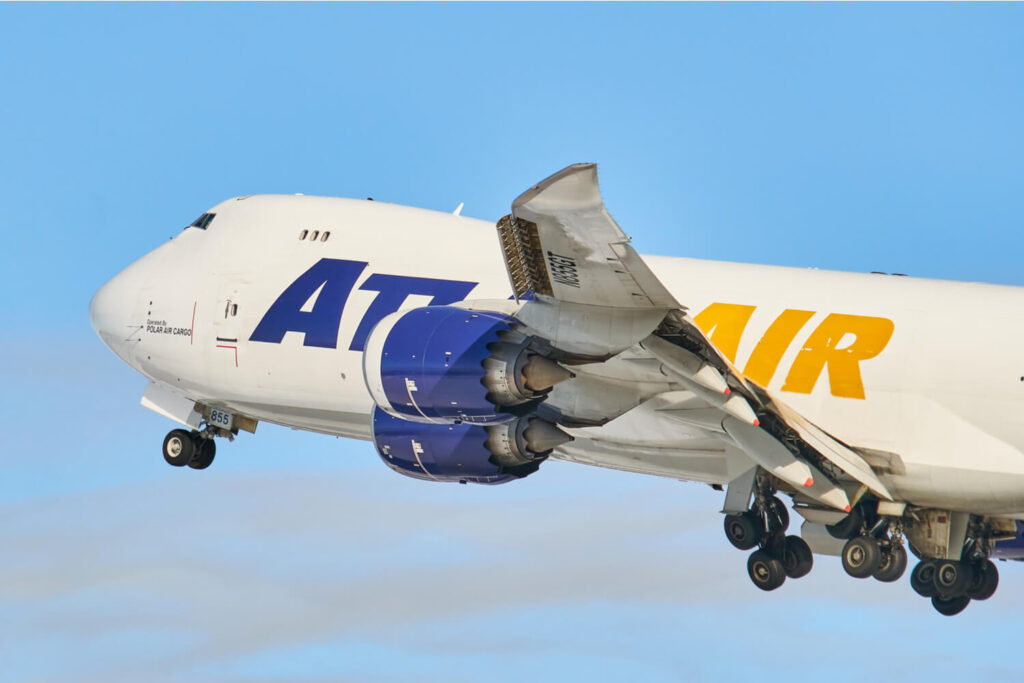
(778, 556)
(952, 584)
(874, 546)
(195, 449)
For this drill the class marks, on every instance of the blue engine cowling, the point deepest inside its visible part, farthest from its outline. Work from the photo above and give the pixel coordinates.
(447, 452)
(447, 364)
(1012, 548)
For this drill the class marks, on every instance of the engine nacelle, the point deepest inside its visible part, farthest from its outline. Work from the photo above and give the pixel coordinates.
(1011, 548)
(463, 452)
(446, 364)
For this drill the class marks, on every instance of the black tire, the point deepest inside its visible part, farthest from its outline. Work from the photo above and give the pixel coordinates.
(894, 563)
(950, 606)
(952, 577)
(778, 515)
(797, 558)
(861, 557)
(744, 530)
(922, 579)
(985, 581)
(178, 448)
(765, 571)
(847, 527)
(206, 450)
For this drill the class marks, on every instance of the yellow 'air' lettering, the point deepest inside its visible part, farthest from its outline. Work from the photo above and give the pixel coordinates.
(724, 324)
(822, 348)
(767, 355)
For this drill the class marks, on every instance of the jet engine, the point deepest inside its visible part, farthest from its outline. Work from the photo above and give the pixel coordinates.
(441, 364)
(464, 452)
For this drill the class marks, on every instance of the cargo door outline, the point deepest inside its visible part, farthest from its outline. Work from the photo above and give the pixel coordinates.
(225, 327)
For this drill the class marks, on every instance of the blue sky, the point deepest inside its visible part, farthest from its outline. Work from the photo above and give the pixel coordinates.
(858, 137)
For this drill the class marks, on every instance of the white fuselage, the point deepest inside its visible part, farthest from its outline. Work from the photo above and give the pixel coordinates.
(943, 401)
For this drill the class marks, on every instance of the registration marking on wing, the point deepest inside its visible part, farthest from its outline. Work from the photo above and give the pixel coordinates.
(563, 269)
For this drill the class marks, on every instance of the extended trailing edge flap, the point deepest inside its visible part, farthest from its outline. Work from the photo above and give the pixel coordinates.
(837, 453)
(816, 439)
(774, 457)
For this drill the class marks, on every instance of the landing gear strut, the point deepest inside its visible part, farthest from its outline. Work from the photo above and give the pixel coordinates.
(778, 556)
(874, 547)
(195, 449)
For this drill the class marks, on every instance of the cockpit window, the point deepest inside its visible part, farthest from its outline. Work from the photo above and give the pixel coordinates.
(203, 221)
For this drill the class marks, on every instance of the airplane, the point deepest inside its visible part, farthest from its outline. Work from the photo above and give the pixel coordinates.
(886, 408)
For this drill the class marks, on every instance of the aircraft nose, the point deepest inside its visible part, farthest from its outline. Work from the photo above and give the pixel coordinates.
(111, 310)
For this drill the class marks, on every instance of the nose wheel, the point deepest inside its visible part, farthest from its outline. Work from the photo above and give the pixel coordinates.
(206, 450)
(194, 449)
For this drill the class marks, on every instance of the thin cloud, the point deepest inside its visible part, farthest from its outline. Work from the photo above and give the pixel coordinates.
(230, 567)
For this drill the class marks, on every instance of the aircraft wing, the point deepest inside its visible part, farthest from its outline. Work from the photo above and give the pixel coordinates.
(594, 300)
(594, 294)
(561, 242)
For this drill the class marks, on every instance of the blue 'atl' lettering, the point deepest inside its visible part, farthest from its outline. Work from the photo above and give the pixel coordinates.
(393, 290)
(320, 324)
(335, 279)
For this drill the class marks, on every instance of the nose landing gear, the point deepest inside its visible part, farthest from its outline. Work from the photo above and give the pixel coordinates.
(195, 449)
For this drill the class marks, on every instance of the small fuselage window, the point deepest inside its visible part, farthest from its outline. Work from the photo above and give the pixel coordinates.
(315, 235)
(203, 221)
